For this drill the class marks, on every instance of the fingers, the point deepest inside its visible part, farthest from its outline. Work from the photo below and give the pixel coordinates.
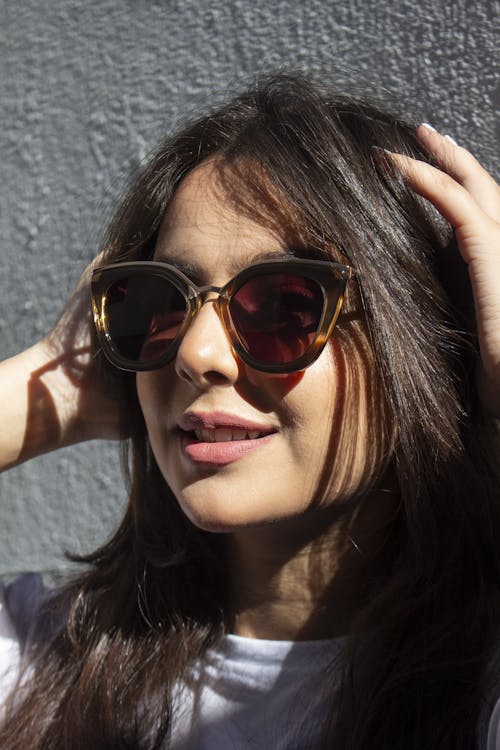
(461, 190)
(451, 199)
(464, 168)
(469, 198)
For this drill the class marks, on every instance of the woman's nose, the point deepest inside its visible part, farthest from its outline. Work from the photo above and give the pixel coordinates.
(205, 355)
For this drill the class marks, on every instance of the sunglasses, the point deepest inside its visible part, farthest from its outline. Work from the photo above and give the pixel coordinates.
(278, 314)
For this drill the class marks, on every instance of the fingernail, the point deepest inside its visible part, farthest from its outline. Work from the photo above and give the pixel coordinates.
(379, 150)
(429, 127)
(382, 158)
(451, 140)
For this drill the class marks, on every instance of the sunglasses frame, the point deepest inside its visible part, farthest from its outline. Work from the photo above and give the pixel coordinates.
(327, 274)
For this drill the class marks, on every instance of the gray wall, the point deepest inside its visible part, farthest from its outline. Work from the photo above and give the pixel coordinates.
(87, 88)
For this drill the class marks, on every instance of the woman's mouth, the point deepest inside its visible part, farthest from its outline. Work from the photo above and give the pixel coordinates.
(225, 435)
(212, 442)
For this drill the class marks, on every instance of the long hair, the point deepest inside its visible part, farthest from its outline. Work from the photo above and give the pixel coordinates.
(154, 598)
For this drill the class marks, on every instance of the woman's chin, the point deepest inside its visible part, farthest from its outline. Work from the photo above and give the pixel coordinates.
(216, 513)
(219, 521)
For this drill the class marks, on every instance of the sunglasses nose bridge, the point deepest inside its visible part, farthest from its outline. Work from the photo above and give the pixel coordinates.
(208, 293)
(198, 296)
(201, 291)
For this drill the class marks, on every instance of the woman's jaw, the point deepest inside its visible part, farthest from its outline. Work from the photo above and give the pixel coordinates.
(318, 431)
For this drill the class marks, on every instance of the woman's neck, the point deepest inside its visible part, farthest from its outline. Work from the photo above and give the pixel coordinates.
(306, 578)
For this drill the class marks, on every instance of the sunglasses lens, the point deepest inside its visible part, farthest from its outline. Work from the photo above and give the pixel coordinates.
(144, 314)
(277, 316)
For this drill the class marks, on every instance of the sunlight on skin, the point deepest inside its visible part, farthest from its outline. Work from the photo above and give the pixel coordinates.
(469, 198)
(329, 423)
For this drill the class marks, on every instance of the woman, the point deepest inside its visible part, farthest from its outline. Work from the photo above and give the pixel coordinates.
(309, 554)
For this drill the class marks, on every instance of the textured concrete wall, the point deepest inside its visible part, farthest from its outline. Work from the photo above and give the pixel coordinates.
(86, 89)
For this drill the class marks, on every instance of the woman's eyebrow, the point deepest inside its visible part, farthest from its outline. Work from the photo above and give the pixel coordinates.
(197, 274)
(188, 269)
(249, 259)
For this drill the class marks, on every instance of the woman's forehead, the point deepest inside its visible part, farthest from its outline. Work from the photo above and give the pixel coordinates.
(204, 221)
(226, 216)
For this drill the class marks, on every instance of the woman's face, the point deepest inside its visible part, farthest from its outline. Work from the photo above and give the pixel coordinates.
(266, 447)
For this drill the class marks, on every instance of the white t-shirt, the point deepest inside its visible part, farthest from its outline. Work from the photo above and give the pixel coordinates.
(251, 693)
(247, 693)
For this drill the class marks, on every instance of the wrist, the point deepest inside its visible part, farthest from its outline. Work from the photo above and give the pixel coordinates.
(51, 399)
(30, 420)
(87, 407)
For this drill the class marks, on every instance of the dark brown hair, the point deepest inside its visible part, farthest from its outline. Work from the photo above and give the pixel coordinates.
(154, 597)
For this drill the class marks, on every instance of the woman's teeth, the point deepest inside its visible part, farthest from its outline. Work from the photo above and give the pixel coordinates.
(225, 434)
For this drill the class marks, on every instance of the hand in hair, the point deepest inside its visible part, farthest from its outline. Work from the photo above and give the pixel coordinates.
(469, 198)
(90, 403)
(53, 393)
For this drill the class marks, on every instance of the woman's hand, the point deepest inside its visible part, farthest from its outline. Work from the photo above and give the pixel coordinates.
(89, 407)
(53, 394)
(469, 198)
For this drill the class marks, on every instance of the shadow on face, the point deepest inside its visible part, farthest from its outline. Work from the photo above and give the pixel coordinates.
(332, 439)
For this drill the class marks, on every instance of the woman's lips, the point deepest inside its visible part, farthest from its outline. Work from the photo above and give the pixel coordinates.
(219, 438)
(219, 452)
